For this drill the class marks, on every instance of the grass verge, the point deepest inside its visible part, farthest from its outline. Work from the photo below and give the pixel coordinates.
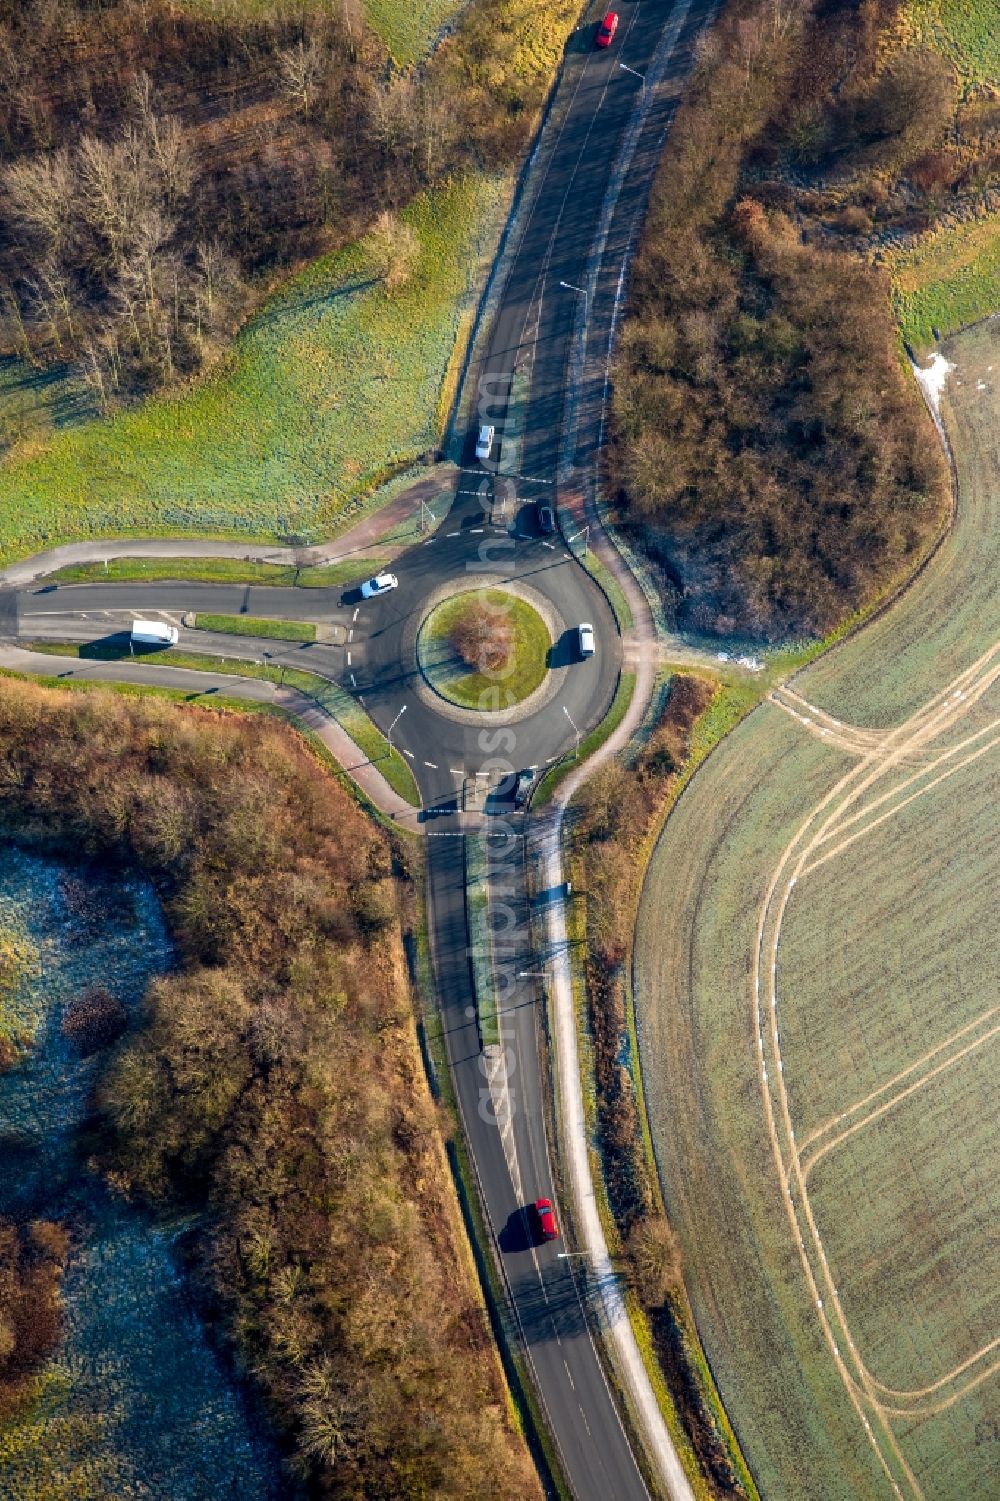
(336, 701)
(256, 625)
(477, 909)
(555, 774)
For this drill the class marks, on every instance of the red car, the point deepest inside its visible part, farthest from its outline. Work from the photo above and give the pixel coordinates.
(546, 1219)
(607, 29)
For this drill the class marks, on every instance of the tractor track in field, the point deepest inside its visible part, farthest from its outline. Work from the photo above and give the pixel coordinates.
(844, 808)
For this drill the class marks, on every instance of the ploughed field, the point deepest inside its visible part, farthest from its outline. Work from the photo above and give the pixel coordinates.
(817, 994)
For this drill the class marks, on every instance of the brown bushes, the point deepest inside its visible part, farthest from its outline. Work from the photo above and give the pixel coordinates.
(767, 440)
(483, 638)
(32, 1258)
(94, 1020)
(275, 1089)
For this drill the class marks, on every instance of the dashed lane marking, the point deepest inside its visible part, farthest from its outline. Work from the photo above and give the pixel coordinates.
(550, 545)
(431, 764)
(476, 531)
(354, 681)
(457, 771)
(408, 753)
(453, 534)
(350, 635)
(348, 659)
(356, 613)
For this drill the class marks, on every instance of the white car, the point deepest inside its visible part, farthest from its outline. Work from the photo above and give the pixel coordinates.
(380, 584)
(585, 640)
(484, 446)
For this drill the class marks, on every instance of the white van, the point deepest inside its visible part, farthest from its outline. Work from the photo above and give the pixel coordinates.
(153, 633)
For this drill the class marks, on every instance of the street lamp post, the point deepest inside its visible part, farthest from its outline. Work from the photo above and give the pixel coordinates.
(424, 507)
(576, 732)
(584, 532)
(570, 287)
(641, 76)
(388, 733)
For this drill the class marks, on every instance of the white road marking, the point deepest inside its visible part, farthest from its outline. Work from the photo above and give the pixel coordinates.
(350, 635)
(431, 764)
(457, 771)
(354, 681)
(356, 613)
(453, 534)
(348, 659)
(550, 545)
(476, 531)
(408, 753)
(569, 1373)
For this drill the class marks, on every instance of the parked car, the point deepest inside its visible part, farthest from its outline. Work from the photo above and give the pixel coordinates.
(484, 444)
(546, 1216)
(585, 641)
(546, 521)
(607, 29)
(522, 786)
(380, 584)
(154, 633)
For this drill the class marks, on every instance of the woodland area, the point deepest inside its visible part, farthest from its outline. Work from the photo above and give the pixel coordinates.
(770, 449)
(274, 1089)
(161, 164)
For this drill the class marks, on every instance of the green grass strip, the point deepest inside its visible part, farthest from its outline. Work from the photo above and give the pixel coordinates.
(196, 570)
(612, 588)
(344, 571)
(590, 743)
(337, 702)
(256, 625)
(477, 908)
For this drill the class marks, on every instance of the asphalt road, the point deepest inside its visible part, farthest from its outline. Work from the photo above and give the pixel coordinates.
(372, 654)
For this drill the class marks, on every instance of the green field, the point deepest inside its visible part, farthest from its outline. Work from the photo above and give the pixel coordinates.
(966, 31)
(824, 1117)
(334, 384)
(946, 282)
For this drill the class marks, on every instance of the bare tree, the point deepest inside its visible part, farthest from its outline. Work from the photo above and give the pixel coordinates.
(39, 195)
(300, 69)
(394, 248)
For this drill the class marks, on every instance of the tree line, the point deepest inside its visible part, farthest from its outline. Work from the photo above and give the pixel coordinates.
(273, 1090)
(162, 164)
(769, 447)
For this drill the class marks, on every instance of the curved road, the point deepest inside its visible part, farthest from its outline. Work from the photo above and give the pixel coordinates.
(370, 650)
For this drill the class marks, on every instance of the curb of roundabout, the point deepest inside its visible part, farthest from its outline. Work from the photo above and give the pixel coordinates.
(547, 689)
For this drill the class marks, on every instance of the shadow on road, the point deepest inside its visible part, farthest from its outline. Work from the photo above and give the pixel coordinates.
(564, 651)
(518, 1233)
(445, 807)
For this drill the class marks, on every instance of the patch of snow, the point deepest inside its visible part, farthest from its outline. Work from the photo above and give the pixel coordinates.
(932, 378)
